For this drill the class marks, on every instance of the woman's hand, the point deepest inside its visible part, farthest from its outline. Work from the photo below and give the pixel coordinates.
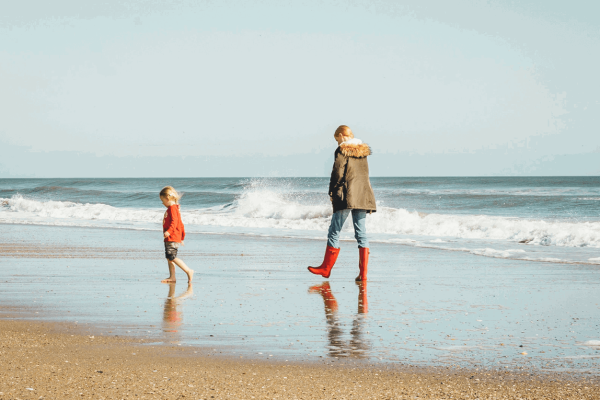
(166, 234)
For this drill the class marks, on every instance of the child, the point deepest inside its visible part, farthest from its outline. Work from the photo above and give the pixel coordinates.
(349, 191)
(174, 233)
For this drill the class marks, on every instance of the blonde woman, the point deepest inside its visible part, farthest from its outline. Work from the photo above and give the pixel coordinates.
(350, 192)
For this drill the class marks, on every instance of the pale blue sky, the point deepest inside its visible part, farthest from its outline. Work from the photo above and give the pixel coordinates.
(192, 88)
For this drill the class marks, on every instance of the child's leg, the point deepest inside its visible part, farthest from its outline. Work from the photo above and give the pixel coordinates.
(185, 268)
(171, 277)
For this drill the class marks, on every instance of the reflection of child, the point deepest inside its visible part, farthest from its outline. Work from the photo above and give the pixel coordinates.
(172, 317)
(174, 233)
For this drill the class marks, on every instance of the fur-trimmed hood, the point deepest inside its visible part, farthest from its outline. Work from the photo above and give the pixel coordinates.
(355, 148)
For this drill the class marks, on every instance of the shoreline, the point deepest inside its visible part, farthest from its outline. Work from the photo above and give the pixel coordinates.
(422, 242)
(224, 352)
(58, 359)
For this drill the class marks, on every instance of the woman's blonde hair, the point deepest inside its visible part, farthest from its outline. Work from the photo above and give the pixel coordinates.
(344, 131)
(169, 193)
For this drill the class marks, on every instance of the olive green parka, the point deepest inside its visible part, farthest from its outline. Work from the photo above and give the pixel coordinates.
(349, 187)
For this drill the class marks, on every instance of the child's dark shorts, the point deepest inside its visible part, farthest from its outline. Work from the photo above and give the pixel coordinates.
(171, 250)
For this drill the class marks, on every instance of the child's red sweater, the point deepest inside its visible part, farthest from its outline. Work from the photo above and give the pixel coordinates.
(172, 223)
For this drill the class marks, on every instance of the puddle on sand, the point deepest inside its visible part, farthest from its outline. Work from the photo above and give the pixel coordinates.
(253, 297)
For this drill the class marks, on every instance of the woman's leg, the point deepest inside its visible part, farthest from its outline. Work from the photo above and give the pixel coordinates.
(335, 227)
(333, 244)
(359, 218)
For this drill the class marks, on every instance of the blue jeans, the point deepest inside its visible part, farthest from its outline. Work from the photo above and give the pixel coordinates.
(337, 222)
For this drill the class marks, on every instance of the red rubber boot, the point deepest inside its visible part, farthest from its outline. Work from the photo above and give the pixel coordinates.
(363, 263)
(331, 255)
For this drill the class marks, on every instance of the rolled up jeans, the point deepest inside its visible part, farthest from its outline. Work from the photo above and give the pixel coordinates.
(337, 222)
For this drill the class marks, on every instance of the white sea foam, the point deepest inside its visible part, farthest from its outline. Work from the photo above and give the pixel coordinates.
(510, 253)
(580, 357)
(555, 233)
(592, 343)
(60, 210)
(263, 208)
(404, 241)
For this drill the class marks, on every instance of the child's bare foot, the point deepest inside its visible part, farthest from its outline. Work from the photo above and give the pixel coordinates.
(168, 280)
(190, 275)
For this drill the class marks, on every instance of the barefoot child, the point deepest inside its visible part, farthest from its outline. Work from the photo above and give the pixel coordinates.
(174, 233)
(350, 192)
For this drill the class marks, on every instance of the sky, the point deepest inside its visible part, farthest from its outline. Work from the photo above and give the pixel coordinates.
(188, 88)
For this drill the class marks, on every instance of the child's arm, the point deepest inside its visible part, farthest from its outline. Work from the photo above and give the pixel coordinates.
(171, 228)
(182, 230)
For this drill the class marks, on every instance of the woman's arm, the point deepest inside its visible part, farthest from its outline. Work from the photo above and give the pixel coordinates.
(338, 172)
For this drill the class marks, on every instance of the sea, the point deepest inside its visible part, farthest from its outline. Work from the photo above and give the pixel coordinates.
(548, 219)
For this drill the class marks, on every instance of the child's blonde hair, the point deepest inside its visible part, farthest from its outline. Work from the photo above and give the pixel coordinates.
(169, 193)
(344, 131)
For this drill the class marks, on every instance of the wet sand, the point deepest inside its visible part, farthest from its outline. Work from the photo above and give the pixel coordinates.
(58, 361)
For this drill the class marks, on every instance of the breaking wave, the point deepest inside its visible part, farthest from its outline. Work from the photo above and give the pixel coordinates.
(531, 231)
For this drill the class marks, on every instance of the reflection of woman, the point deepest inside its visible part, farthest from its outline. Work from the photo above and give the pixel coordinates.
(172, 317)
(338, 347)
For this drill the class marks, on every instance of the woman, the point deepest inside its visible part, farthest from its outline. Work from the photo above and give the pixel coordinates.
(350, 192)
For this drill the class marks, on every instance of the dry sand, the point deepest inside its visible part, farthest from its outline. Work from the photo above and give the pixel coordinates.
(64, 361)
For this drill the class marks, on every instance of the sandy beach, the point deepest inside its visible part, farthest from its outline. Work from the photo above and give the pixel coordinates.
(427, 324)
(60, 361)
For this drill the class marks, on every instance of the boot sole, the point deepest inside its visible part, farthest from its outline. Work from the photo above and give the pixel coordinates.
(316, 273)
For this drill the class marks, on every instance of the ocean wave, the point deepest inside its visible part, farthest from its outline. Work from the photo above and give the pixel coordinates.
(530, 231)
(260, 207)
(70, 210)
(495, 192)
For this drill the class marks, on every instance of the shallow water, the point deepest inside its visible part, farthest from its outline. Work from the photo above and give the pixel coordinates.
(253, 297)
